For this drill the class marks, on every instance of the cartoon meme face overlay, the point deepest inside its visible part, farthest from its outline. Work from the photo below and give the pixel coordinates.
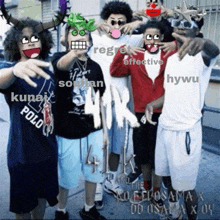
(153, 8)
(78, 42)
(152, 37)
(30, 44)
(79, 26)
(116, 21)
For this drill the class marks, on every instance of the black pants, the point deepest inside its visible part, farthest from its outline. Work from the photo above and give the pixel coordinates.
(144, 141)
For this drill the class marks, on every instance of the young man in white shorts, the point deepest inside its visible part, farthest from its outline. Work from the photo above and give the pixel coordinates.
(179, 135)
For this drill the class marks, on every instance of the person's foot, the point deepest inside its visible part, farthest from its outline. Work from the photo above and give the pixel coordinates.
(170, 217)
(114, 188)
(140, 196)
(59, 215)
(175, 211)
(133, 177)
(99, 196)
(92, 214)
(158, 203)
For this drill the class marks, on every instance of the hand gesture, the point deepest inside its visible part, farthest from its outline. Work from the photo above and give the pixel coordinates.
(78, 53)
(133, 50)
(167, 47)
(191, 46)
(166, 12)
(148, 113)
(139, 14)
(129, 27)
(104, 27)
(30, 68)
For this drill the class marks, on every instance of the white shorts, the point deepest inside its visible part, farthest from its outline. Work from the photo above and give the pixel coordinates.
(173, 159)
(72, 159)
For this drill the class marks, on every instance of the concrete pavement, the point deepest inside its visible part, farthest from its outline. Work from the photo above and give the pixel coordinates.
(208, 187)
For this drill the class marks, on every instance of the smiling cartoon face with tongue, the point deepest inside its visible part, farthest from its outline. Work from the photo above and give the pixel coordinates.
(30, 44)
(152, 48)
(32, 53)
(152, 38)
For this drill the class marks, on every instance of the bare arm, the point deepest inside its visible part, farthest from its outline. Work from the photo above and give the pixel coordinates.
(210, 51)
(66, 62)
(24, 70)
(158, 103)
(193, 46)
(7, 78)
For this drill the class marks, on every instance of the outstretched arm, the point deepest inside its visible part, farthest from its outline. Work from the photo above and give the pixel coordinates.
(7, 77)
(65, 63)
(24, 70)
(193, 46)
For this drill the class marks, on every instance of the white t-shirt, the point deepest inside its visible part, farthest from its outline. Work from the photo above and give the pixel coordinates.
(185, 84)
(103, 51)
(154, 67)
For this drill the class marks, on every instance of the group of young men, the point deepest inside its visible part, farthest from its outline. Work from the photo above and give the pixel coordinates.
(166, 122)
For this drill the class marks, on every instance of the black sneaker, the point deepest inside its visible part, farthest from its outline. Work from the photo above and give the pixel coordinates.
(59, 215)
(159, 205)
(133, 177)
(92, 214)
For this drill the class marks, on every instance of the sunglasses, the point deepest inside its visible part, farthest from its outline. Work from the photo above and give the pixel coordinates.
(185, 24)
(113, 22)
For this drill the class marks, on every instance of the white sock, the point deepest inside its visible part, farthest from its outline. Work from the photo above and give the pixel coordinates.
(174, 208)
(112, 175)
(88, 207)
(62, 210)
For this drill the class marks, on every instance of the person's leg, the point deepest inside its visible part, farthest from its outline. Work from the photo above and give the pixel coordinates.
(156, 180)
(184, 163)
(38, 212)
(23, 216)
(90, 189)
(117, 143)
(62, 198)
(191, 204)
(173, 199)
(23, 180)
(147, 176)
(69, 170)
(137, 150)
(95, 140)
(113, 161)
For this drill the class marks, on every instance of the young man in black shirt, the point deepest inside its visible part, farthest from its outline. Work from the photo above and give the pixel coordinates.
(76, 132)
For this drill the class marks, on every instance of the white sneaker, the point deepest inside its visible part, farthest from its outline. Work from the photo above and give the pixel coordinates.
(114, 188)
(175, 211)
(99, 196)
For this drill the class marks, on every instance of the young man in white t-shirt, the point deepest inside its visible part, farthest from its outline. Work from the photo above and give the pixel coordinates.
(179, 135)
(117, 16)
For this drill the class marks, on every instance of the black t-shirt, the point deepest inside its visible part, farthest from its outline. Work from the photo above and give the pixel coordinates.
(31, 136)
(70, 89)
